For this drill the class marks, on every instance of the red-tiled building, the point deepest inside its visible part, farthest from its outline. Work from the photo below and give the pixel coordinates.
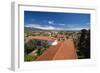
(62, 51)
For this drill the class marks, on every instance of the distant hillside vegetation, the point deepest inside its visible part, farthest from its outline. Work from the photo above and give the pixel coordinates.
(29, 29)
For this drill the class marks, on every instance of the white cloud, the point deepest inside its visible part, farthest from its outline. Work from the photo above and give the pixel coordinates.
(80, 28)
(40, 27)
(49, 27)
(32, 25)
(51, 22)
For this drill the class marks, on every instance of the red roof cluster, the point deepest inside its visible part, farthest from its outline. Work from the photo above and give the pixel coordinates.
(42, 38)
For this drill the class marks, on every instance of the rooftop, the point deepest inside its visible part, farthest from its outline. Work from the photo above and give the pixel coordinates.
(42, 38)
(62, 51)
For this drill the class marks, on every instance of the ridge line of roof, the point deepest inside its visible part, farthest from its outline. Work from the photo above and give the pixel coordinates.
(57, 50)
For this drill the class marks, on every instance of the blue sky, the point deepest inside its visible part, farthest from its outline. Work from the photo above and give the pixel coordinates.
(56, 21)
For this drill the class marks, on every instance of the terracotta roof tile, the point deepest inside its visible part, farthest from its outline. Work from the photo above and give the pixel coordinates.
(42, 38)
(62, 51)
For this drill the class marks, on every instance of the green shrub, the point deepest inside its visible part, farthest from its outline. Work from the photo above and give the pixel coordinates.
(29, 58)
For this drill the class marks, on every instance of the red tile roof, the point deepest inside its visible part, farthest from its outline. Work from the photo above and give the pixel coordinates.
(62, 51)
(42, 38)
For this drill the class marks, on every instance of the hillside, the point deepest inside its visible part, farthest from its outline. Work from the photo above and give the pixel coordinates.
(29, 29)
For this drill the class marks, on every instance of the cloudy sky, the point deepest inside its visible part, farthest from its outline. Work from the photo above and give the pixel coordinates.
(56, 21)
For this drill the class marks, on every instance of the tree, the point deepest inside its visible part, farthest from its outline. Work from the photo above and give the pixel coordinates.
(84, 43)
(39, 52)
(29, 46)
